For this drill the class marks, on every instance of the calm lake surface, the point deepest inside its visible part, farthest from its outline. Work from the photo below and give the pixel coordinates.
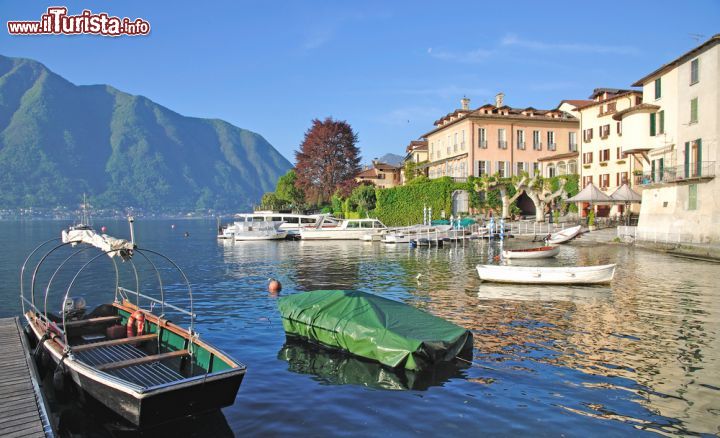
(642, 355)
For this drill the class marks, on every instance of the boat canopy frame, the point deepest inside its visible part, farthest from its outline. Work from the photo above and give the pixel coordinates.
(120, 291)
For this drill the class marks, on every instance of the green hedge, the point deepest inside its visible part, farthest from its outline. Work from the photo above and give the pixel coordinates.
(404, 205)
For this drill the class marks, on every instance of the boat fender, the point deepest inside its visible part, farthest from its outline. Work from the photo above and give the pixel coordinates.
(59, 376)
(138, 317)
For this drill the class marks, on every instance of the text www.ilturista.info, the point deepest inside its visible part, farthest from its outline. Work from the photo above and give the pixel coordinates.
(57, 22)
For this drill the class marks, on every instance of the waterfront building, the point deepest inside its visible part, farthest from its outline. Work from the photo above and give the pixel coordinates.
(417, 153)
(383, 175)
(498, 139)
(602, 160)
(674, 134)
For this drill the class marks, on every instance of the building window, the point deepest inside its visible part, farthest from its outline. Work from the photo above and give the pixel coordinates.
(482, 138)
(693, 159)
(483, 168)
(587, 158)
(501, 171)
(604, 131)
(661, 122)
(521, 139)
(462, 140)
(561, 168)
(572, 141)
(694, 71)
(455, 142)
(618, 128)
(694, 110)
(572, 167)
(692, 197)
(604, 155)
(536, 168)
(658, 89)
(502, 141)
(550, 171)
(519, 168)
(652, 125)
(537, 144)
(611, 107)
(587, 135)
(604, 180)
(551, 140)
(619, 154)
(587, 180)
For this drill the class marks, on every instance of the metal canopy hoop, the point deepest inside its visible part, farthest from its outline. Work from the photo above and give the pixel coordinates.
(22, 273)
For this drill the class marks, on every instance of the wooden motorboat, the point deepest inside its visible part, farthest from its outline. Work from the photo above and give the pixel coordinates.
(532, 253)
(148, 373)
(547, 275)
(564, 235)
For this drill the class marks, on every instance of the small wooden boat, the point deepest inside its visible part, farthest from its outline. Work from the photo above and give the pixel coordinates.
(547, 275)
(137, 363)
(565, 235)
(532, 253)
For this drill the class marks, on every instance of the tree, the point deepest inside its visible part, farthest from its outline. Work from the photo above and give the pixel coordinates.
(270, 201)
(539, 190)
(287, 191)
(328, 157)
(489, 183)
(412, 170)
(363, 197)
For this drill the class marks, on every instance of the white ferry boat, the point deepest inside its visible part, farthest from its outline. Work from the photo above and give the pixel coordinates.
(247, 230)
(291, 223)
(349, 229)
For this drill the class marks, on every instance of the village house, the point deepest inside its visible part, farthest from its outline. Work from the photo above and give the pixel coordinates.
(674, 134)
(603, 161)
(417, 154)
(383, 175)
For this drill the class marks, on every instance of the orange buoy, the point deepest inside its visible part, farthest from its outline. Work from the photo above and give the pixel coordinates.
(274, 287)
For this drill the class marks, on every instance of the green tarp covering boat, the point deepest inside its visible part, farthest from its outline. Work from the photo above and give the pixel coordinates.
(392, 333)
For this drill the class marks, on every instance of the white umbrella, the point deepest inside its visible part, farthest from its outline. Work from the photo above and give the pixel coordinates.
(626, 194)
(590, 194)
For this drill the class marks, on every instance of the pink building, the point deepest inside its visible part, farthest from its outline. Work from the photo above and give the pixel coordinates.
(499, 139)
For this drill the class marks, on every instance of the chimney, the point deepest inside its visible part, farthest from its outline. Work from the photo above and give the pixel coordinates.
(499, 99)
(465, 102)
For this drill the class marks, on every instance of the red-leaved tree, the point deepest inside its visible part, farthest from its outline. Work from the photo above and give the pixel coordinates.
(327, 160)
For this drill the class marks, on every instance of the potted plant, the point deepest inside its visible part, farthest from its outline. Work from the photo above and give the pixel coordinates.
(591, 219)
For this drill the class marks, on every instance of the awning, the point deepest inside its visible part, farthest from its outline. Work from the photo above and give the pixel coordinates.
(590, 194)
(625, 194)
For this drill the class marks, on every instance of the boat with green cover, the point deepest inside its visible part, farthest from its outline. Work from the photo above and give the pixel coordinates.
(390, 332)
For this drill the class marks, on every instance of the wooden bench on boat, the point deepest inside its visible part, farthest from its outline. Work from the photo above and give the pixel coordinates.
(142, 360)
(133, 340)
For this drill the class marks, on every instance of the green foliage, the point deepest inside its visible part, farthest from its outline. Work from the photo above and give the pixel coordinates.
(58, 141)
(591, 217)
(363, 198)
(270, 201)
(404, 205)
(287, 191)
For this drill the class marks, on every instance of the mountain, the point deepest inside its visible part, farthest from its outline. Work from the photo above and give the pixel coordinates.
(392, 159)
(59, 140)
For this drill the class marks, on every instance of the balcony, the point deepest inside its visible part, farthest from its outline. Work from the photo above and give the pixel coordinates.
(521, 145)
(679, 174)
(573, 147)
(552, 146)
(537, 146)
(483, 144)
(502, 144)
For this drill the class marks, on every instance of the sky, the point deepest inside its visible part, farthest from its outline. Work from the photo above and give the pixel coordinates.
(390, 69)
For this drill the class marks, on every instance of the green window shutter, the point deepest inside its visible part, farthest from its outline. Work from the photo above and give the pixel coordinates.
(687, 159)
(652, 171)
(661, 168)
(661, 122)
(699, 157)
(658, 88)
(652, 125)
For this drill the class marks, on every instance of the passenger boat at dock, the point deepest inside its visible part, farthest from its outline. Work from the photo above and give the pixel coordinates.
(290, 223)
(349, 229)
(127, 357)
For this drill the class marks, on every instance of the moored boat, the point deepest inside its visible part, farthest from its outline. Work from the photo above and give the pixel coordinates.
(243, 231)
(547, 275)
(349, 229)
(564, 235)
(532, 253)
(135, 362)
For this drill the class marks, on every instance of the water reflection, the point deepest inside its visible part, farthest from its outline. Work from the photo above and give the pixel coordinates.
(337, 368)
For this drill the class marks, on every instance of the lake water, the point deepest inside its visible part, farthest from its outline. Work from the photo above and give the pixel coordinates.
(640, 355)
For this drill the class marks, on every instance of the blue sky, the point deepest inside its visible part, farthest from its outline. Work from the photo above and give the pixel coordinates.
(389, 68)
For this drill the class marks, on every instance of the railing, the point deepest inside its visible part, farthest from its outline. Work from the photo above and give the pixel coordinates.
(552, 146)
(537, 146)
(521, 145)
(483, 144)
(573, 147)
(704, 169)
(502, 144)
(632, 233)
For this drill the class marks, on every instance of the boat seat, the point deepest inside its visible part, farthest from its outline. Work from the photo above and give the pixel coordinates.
(121, 341)
(142, 360)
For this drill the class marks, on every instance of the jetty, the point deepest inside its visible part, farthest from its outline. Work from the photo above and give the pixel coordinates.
(22, 406)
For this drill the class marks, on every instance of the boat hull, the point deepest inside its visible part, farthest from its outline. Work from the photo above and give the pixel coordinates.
(540, 253)
(145, 407)
(335, 234)
(565, 235)
(547, 275)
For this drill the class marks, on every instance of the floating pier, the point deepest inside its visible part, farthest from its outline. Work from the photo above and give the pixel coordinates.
(22, 406)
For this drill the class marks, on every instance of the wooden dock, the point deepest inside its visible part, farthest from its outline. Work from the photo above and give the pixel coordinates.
(22, 406)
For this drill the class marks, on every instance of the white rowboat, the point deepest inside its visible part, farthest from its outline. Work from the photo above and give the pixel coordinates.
(532, 253)
(563, 236)
(547, 275)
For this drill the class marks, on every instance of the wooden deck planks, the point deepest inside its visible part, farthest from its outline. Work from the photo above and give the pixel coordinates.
(20, 413)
